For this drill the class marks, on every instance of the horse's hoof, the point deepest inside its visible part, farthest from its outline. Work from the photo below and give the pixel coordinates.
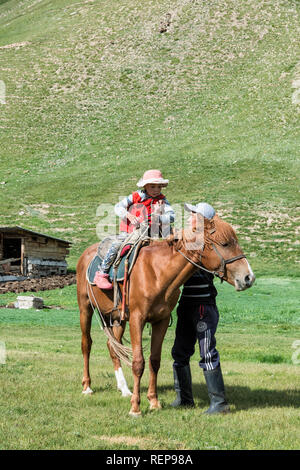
(88, 391)
(135, 414)
(126, 393)
(155, 406)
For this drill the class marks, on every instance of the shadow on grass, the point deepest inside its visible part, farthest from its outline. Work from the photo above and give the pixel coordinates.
(244, 398)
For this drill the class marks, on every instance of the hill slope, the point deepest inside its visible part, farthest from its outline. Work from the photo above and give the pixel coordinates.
(97, 92)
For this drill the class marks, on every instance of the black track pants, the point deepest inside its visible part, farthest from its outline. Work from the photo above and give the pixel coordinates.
(196, 323)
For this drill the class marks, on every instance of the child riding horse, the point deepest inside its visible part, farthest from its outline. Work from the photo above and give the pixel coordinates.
(147, 204)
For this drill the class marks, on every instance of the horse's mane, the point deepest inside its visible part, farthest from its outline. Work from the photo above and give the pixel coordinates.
(171, 240)
(216, 230)
(223, 231)
(176, 239)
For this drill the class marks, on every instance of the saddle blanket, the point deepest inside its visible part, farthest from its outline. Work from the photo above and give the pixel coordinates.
(96, 263)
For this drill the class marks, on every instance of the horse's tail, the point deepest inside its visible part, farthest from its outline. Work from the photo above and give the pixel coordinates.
(124, 353)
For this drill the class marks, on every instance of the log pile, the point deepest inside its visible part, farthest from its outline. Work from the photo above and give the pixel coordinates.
(40, 284)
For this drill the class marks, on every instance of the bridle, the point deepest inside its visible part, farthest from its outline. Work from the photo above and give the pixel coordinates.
(222, 270)
(224, 262)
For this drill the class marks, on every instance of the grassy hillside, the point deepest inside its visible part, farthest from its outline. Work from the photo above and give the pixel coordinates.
(97, 92)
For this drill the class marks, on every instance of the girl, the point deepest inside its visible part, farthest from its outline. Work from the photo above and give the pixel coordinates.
(145, 205)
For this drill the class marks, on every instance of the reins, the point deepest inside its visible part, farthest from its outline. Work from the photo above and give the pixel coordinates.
(195, 264)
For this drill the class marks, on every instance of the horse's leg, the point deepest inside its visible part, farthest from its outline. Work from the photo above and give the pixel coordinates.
(121, 381)
(158, 333)
(86, 313)
(136, 326)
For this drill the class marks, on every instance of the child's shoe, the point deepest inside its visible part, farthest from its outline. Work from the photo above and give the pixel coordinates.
(101, 280)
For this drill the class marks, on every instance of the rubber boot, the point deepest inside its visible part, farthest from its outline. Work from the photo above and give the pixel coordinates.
(101, 280)
(183, 386)
(216, 391)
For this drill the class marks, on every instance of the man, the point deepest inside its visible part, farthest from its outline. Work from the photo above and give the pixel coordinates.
(198, 318)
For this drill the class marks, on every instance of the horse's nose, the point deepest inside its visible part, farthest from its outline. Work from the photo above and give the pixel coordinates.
(249, 279)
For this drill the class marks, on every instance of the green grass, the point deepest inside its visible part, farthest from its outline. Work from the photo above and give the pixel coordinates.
(96, 95)
(40, 395)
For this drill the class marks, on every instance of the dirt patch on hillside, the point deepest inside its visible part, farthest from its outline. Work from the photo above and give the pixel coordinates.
(15, 45)
(35, 285)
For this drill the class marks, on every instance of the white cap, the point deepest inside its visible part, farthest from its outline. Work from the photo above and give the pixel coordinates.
(202, 208)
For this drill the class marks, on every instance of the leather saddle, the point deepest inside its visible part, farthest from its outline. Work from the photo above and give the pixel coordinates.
(129, 251)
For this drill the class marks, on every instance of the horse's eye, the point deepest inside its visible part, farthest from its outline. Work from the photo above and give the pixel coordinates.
(225, 244)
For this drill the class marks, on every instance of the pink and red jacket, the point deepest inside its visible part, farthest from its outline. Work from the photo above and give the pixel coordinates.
(140, 204)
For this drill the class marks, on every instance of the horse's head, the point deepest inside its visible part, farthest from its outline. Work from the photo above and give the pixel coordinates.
(220, 252)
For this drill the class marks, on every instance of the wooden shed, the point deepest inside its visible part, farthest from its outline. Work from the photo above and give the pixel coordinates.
(26, 253)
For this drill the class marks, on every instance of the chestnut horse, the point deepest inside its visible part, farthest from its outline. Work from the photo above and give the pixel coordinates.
(159, 271)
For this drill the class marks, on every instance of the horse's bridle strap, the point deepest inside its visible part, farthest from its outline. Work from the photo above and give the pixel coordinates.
(221, 272)
(226, 261)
